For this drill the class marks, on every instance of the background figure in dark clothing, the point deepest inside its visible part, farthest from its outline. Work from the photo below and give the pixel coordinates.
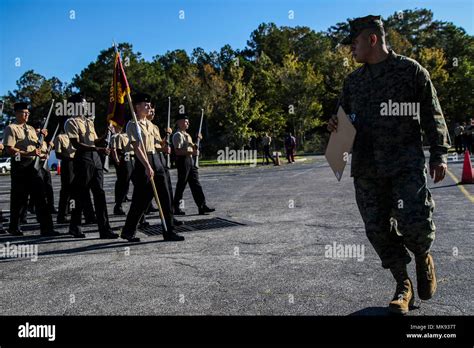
(266, 142)
(467, 136)
(458, 132)
(290, 147)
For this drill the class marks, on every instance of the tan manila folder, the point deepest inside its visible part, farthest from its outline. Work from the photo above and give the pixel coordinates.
(340, 144)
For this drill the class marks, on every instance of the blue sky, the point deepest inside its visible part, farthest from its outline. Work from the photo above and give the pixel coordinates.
(42, 35)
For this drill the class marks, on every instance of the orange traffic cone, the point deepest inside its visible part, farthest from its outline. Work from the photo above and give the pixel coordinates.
(467, 175)
(58, 170)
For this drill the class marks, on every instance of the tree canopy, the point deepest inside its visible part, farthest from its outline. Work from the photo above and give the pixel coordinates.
(285, 79)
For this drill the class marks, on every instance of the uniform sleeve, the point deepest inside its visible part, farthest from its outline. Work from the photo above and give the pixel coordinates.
(432, 120)
(178, 141)
(157, 136)
(44, 147)
(57, 145)
(71, 129)
(132, 132)
(157, 133)
(8, 137)
(344, 98)
(92, 130)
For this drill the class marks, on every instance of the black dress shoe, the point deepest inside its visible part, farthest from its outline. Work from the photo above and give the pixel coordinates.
(17, 232)
(205, 209)
(172, 237)
(131, 239)
(179, 212)
(109, 235)
(119, 211)
(177, 222)
(76, 232)
(50, 234)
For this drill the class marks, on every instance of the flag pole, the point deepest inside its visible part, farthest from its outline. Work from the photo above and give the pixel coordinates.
(142, 145)
(168, 160)
(196, 159)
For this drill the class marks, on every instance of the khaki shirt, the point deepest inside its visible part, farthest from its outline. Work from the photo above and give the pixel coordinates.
(81, 128)
(22, 137)
(63, 146)
(182, 140)
(147, 133)
(158, 139)
(122, 142)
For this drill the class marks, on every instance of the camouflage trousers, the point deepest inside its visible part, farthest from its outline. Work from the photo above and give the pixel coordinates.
(397, 213)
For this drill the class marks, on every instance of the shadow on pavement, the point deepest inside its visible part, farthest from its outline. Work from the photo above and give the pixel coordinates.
(444, 186)
(86, 248)
(378, 311)
(371, 311)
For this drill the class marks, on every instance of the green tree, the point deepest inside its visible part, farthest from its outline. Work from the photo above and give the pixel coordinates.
(238, 111)
(38, 91)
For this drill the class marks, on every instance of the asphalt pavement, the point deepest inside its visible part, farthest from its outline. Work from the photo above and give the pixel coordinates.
(271, 248)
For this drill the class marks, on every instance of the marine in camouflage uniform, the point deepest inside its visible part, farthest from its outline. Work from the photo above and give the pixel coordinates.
(388, 163)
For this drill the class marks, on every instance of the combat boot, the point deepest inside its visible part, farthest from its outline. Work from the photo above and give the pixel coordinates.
(425, 276)
(404, 297)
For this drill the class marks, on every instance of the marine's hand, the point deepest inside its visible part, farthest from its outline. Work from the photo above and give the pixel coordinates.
(438, 172)
(149, 172)
(332, 124)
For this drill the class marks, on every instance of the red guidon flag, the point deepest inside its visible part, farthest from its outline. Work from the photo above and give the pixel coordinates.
(118, 91)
